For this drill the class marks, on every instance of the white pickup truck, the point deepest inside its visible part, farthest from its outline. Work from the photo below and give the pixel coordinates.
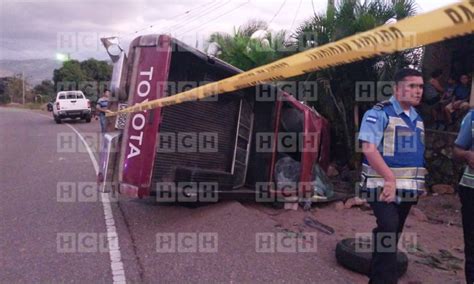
(71, 104)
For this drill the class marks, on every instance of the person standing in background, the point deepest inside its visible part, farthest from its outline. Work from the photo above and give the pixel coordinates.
(102, 108)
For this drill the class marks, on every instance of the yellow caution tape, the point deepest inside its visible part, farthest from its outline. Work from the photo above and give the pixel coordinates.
(444, 23)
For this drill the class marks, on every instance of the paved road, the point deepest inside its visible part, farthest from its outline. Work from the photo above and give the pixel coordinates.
(47, 234)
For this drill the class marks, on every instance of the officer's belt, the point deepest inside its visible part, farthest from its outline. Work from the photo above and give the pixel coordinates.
(402, 173)
(468, 177)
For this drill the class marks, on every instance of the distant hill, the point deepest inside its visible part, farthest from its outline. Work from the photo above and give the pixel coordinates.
(36, 70)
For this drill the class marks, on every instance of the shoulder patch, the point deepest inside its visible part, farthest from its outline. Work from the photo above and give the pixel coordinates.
(371, 119)
(381, 105)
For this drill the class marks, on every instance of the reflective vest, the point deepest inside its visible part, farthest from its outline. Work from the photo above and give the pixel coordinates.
(467, 178)
(403, 151)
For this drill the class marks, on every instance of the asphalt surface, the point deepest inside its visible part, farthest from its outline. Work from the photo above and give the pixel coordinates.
(158, 243)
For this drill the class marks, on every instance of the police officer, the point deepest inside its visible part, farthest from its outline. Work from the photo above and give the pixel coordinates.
(392, 140)
(463, 151)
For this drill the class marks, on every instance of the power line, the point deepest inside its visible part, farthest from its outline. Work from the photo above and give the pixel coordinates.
(314, 10)
(179, 15)
(296, 14)
(187, 12)
(278, 12)
(221, 15)
(182, 26)
(193, 17)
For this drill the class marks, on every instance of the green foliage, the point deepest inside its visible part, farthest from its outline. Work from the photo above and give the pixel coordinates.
(14, 89)
(45, 88)
(89, 76)
(4, 98)
(246, 52)
(337, 84)
(69, 75)
(96, 70)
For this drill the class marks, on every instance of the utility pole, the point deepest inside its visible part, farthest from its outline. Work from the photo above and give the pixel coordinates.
(23, 85)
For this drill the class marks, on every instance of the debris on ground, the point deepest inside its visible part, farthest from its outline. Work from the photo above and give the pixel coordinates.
(349, 222)
(315, 224)
(354, 201)
(443, 189)
(338, 205)
(418, 214)
(443, 260)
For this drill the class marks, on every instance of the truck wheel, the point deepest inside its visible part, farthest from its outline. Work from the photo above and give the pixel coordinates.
(88, 119)
(57, 119)
(347, 256)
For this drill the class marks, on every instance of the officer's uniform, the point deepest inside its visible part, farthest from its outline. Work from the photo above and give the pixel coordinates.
(400, 140)
(466, 194)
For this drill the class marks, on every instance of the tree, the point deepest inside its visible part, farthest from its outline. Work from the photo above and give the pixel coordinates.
(45, 88)
(346, 18)
(98, 74)
(89, 76)
(4, 98)
(96, 70)
(69, 76)
(15, 88)
(250, 46)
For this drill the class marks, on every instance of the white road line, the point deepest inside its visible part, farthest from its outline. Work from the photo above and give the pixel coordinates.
(91, 155)
(116, 264)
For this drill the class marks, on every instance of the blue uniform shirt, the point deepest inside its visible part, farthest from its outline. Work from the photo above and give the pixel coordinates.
(464, 139)
(375, 121)
(405, 159)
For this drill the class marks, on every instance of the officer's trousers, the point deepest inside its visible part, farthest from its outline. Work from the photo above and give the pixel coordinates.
(390, 221)
(466, 195)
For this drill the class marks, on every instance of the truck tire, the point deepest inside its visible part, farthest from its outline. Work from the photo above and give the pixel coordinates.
(347, 256)
(88, 118)
(57, 119)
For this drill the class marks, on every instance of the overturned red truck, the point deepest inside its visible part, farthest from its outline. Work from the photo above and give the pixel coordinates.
(226, 146)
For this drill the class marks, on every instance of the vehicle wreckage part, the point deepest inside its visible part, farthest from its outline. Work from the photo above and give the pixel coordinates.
(109, 152)
(315, 224)
(357, 255)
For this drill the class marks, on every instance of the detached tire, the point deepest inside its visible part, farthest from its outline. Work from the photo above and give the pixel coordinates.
(347, 256)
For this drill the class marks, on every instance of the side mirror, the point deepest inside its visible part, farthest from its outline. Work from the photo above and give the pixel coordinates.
(112, 47)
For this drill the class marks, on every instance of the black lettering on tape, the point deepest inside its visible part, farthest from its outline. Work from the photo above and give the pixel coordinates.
(356, 43)
(454, 16)
(333, 50)
(468, 12)
(312, 56)
(457, 16)
(346, 46)
(396, 32)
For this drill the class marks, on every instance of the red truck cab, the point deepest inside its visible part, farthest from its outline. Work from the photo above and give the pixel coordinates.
(226, 146)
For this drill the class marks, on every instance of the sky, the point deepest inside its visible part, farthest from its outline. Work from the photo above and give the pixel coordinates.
(42, 28)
